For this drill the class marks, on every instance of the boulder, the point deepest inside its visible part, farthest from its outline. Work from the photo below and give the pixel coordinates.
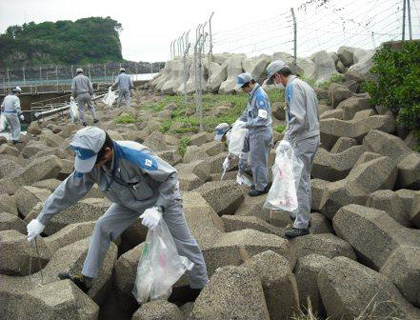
(9, 168)
(8, 204)
(363, 179)
(320, 224)
(325, 244)
(170, 156)
(6, 149)
(194, 153)
(234, 67)
(213, 148)
(366, 157)
(332, 114)
(415, 210)
(218, 74)
(16, 256)
(352, 105)
(388, 201)
(234, 248)
(409, 172)
(277, 111)
(332, 129)
(280, 219)
(306, 273)
(350, 290)
(345, 54)
(86, 210)
(27, 197)
(324, 66)
(49, 184)
(256, 66)
(235, 223)
(335, 166)
(232, 293)
(278, 282)
(59, 300)
(9, 221)
(158, 310)
(406, 198)
(188, 181)
(343, 144)
(50, 139)
(403, 269)
(34, 128)
(34, 147)
(223, 196)
(156, 141)
(254, 206)
(47, 167)
(363, 114)
(216, 163)
(338, 93)
(200, 168)
(318, 188)
(363, 62)
(381, 234)
(200, 139)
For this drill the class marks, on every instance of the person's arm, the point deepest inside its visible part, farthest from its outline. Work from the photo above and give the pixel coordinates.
(131, 84)
(3, 105)
(117, 81)
(297, 112)
(70, 191)
(16, 104)
(91, 91)
(262, 119)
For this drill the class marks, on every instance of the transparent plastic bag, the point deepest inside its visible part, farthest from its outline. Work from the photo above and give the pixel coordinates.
(3, 123)
(243, 180)
(287, 170)
(74, 112)
(159, 266)
(109, 98)
(237, 138)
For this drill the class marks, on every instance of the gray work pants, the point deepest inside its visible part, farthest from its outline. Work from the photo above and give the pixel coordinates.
(118, 218)
(82, 99)
(260, 143)
(305, 150)
(126, 94)
(14, 123)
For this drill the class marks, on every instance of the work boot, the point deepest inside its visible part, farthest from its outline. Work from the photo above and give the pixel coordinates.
(294, 233)
(84, 283)
(84, 124)
(95, 121)
(15, 141)
(256, 193)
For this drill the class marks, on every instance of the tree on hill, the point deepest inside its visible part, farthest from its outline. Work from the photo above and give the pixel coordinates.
(87, 40)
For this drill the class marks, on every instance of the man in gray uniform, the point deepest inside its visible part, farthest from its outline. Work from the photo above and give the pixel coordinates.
(138, 183)
(257, 118)
(82, 90)
(12, 112)
(125, 84)
(302, 133)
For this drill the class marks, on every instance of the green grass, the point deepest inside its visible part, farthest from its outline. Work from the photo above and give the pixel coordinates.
(126, 118)
(166, 126)
(280, 128)
(183, 144)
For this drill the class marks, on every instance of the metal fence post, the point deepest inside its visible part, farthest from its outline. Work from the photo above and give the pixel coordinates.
(184, 61)
(211, 39)
(294, 41)
(56, 76)
(403, 22)
(24, 78)
(410, 31)
(8, 78)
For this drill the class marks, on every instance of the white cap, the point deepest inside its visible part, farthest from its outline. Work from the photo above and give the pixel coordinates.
(79, 70)
(242, 79)
(122, 69)
(274, 67)
(86, 144)
(17, 89)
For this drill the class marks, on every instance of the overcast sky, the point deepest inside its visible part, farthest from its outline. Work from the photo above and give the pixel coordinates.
(149, 26)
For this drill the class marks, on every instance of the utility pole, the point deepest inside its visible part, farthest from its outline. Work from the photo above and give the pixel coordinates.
(409, 19)
(294, 41)
(403, 24)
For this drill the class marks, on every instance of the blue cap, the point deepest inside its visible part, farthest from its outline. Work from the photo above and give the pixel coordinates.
(242, 79)
(86, 144)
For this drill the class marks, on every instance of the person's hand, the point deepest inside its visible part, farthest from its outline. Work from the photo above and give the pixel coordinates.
(109, 88)
(71, 99)
(284, 145)
(151, 217)
(226, 163)
(34, 229)
(21, 117)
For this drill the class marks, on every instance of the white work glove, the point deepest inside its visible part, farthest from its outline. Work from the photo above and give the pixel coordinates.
(109, 88)
(34, 229)
(151, 217)
(226, 163)
(284, 145)
(21, 117)
(71, 99)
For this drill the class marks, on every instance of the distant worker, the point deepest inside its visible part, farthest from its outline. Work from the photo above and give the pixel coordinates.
(82, 90)
(125, 85)
(12, 112)
(302, 134)
(257, 118)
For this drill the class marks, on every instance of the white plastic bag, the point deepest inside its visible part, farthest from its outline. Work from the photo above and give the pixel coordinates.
(74, 112)
(243, 180)
(159, 266)
(109, 98)
(3, 122)
(237, 138)
(287, 170)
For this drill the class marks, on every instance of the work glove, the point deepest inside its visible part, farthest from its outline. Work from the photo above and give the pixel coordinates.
(226, 163)
(34, 229)
(71, 99)
(151, 217)
(21, 117)
(109, 88)
(284, 145)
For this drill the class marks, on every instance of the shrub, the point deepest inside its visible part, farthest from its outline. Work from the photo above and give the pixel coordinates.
(183, 144)
(396, 82)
